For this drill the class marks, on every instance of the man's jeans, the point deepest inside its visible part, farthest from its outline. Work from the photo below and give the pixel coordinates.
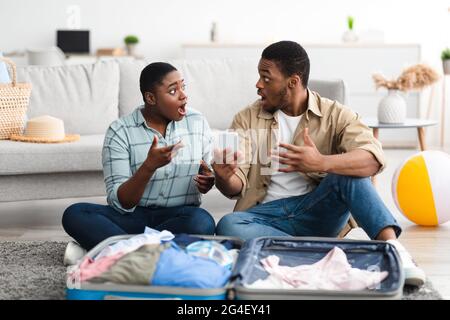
(321, 213)
(89, 224)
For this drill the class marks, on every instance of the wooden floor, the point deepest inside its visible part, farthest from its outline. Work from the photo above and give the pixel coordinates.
(430, 247)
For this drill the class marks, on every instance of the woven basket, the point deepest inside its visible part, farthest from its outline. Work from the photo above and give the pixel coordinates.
(14, 98)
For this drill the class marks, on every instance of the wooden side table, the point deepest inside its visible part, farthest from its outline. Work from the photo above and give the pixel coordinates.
(420, 124)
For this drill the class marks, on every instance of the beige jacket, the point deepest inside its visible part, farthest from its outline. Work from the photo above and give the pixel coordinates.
(333, 127)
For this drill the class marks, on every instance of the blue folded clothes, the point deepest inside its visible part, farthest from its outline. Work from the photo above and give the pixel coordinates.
(179, 269)
(184, 239)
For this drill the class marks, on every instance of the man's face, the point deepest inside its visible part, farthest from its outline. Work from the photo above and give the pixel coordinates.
(272, 86)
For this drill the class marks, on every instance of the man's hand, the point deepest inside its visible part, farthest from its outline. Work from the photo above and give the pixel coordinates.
(225, 163)
(205, 178)
(303, 159)
(159, 157)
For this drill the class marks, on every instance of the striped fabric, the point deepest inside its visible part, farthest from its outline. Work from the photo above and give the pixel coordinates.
(126, 146)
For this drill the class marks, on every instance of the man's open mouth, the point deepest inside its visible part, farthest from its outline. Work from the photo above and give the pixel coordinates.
(263, 97)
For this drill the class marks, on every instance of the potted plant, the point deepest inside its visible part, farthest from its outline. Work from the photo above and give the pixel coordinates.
(445, 56)
(131, 41)
(350, 21)
(392, 108)
(350, 35)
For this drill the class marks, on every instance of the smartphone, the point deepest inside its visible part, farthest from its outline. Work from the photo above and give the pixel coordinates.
(205, 171)
(226, 140)
(177, 146)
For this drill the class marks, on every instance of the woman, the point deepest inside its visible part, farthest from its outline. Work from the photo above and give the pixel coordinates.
(150, 158)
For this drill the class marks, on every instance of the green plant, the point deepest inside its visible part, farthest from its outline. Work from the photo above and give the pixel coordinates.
(131, 39)
(350, 21)
(445, 55)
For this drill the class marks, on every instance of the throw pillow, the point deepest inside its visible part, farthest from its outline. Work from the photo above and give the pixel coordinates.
(4, 76)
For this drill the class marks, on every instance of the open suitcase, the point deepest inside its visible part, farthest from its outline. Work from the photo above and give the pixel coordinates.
(293, 251)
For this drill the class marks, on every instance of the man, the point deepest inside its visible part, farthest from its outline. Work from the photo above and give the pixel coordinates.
(306, 162)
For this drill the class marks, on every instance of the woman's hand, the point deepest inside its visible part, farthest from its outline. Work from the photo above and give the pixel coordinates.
(159, 157)
(205, 178)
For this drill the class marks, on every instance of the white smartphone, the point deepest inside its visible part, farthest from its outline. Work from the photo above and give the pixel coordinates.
(226, 140)
(177, 146)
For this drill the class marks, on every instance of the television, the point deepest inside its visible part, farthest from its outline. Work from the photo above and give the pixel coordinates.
(73, 41)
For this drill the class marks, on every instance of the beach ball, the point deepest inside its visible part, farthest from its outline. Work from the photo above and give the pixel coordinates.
(421, 188)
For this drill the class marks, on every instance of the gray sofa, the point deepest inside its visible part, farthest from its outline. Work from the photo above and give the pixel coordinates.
(89, 97)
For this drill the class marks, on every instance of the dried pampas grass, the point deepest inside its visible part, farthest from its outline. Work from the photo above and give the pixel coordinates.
(415, 77)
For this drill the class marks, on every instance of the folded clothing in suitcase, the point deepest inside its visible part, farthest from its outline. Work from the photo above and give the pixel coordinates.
(249, 269)
(371, 259)
(116, 268)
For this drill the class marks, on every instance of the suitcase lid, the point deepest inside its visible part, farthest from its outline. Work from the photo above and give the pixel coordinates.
(294, 251)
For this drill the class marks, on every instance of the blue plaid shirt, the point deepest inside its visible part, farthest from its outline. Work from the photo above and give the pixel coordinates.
(126, 146)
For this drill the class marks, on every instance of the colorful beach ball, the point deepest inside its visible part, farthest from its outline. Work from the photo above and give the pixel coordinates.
(421, 188)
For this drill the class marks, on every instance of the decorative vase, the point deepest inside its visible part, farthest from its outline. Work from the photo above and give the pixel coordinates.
(392, 108)
(446, 66)
(213, 32)
(349, 36)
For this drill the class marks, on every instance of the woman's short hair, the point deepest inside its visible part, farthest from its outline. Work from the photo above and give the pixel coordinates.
(152, 75)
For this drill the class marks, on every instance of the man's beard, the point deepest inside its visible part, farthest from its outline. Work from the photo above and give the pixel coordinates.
(282, 98)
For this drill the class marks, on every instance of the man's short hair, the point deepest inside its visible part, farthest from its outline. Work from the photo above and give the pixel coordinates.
(152, 75)
(290, 58)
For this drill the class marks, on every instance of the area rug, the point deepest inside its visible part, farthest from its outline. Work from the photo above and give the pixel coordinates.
(34, 270)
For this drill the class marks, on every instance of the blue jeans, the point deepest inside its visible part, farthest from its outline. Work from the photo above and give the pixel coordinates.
(89, 224)
(321, 213)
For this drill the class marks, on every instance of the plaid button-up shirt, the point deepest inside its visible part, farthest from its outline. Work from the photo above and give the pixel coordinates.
(126, 146)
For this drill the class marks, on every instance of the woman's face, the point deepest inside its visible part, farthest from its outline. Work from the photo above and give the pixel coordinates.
(170, 97)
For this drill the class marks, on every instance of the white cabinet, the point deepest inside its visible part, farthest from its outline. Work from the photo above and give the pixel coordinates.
(354, 63)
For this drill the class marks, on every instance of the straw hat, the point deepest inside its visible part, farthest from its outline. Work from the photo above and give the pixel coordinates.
(45, 129)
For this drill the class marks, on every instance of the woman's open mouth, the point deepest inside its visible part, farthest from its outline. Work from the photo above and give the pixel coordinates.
(182, 110)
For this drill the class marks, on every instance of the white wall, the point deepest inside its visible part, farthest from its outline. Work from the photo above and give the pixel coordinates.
(163, 25)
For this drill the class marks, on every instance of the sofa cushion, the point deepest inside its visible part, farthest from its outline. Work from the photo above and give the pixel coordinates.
(129, 94)
(25, 158)
(333, 89)
(85, 97)
(218, 88)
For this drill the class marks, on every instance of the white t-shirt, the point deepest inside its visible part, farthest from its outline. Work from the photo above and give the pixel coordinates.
(286, 184)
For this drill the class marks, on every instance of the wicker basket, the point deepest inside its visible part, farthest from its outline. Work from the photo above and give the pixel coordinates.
(14, 98)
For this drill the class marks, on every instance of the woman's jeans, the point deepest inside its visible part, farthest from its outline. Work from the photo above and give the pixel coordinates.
(89, 224)
(320, 213)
